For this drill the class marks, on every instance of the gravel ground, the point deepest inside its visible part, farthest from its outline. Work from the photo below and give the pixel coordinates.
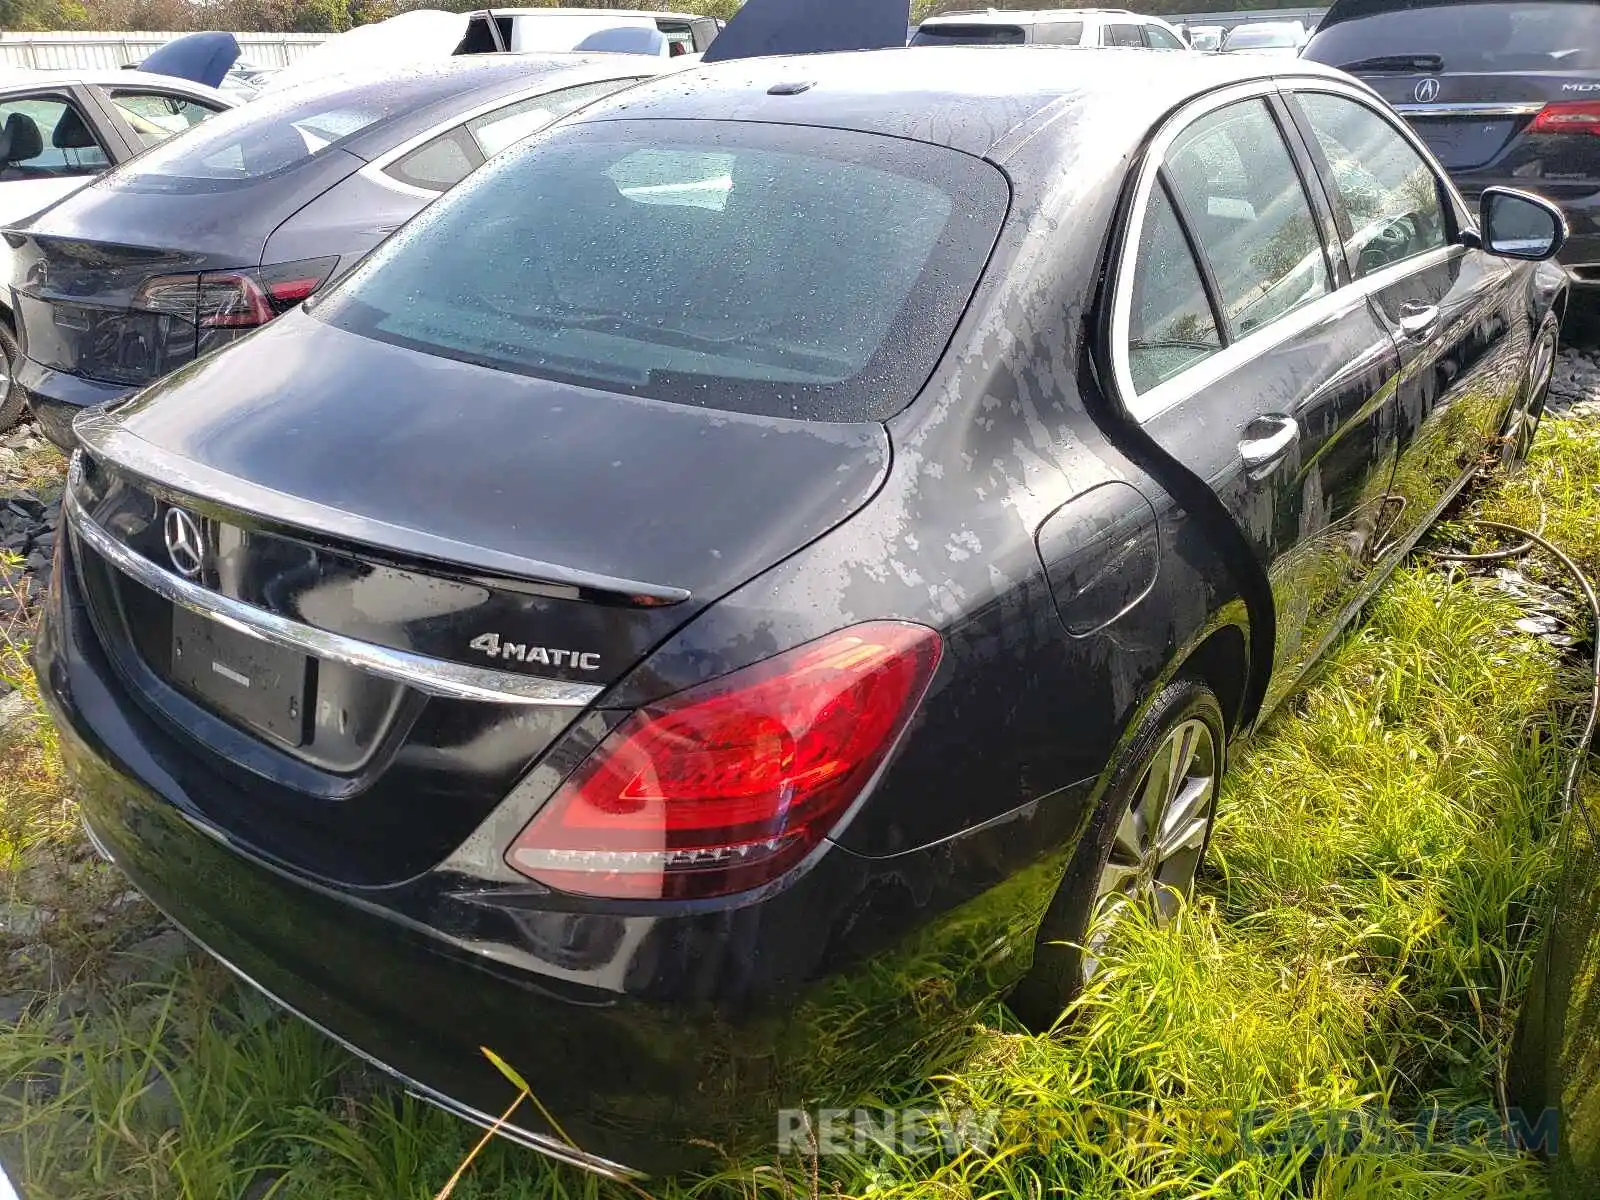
(1575, 388)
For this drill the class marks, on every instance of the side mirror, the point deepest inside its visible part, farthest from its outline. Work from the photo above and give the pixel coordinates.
(1518, 225)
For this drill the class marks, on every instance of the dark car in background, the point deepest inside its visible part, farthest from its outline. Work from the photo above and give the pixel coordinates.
(734, 586)
(1505, 93)
(213, 234)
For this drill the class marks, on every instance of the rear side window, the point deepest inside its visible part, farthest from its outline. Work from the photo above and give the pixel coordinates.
(1172, 326)
(439, 164)
(1248, 209)
(507, 126)
(1121, 35)
(788, 271)
(970, 35)
(1058, 33)
(1470, 37)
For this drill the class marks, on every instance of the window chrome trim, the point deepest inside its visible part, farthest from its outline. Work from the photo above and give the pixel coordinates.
(1336, 303)
(433, 676)
(1469, 110)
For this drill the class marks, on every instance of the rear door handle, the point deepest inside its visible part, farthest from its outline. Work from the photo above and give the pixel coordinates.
(1269, 439)
(1418, 320)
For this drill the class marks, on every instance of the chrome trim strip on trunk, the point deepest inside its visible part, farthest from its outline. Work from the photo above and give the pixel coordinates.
(433, 676)
(99, 430)
(1470, 110)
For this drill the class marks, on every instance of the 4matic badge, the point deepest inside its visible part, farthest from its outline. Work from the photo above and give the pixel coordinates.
(544, 656)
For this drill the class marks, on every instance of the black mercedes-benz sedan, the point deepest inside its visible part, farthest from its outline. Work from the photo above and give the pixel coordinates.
(1505, 93)
(732, 588)
(206, 237)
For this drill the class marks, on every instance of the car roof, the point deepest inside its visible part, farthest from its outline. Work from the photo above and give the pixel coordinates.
(23, 77)
(970, 98)
(1001, 16)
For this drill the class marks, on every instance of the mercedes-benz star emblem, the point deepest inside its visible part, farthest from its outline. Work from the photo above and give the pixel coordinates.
(1427, 91)
(185, 543)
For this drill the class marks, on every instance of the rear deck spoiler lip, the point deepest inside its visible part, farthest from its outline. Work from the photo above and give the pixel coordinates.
(102, 434)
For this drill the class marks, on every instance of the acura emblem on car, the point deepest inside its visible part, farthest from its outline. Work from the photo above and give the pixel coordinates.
(185, 543)
(1427, 91)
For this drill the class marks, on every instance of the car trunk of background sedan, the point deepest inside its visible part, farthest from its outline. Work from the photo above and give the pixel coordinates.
(161, 260)
(128, 314)
(1477, 78)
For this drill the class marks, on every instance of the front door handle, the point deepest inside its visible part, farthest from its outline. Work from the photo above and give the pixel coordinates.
(1418, 320)
(1267, 441)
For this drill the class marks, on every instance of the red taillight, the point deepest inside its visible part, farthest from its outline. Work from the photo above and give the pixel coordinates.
(232, 300)
(235, 299)
(726, 786)
(1580, 116)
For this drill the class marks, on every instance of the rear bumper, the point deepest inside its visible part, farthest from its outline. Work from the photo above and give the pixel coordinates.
(640, 1033)
(1581, 255)
(56, 397)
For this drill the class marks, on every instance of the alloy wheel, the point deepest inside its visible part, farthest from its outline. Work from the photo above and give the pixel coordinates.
(1160, 839)
(1523, 425)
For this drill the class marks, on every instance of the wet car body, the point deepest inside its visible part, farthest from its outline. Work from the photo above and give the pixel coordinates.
(1505, 94)
(107, 287)
(1077, 539)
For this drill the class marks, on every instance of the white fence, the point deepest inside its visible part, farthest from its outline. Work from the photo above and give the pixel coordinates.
(46, 51)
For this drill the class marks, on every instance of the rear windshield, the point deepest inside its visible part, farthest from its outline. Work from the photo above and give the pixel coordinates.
(1246, 38)
(970, 35)
(781, 270)
(269, 135)
(1555, 35)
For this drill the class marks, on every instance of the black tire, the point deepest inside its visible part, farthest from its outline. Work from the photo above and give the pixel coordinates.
(1061, 962)
(1522, 424)
(11, 398)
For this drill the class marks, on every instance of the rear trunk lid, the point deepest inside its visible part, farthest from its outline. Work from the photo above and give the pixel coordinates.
(1472, 120)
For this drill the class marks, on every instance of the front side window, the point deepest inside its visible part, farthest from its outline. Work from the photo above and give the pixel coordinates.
(42, 137)
(1240, 191)
(156, 116)
(1162, 39)
(783, 270)
(1389, 193)
(1171, 327)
